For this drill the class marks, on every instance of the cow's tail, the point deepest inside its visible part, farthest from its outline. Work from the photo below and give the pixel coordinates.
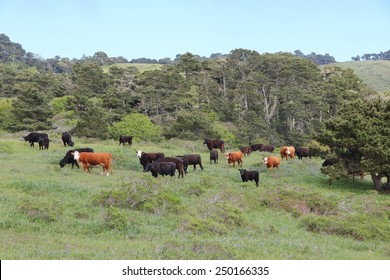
(222, 146)
(109, 170)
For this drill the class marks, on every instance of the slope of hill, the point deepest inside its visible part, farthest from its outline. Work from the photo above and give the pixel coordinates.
(375, 73)
(141, 67)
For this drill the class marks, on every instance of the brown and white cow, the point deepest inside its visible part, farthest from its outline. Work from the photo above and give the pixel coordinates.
(286, 152)
(93, 159)
(271, 162)
(234, 157)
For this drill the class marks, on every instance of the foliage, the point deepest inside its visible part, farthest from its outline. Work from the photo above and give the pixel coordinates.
(137, 125)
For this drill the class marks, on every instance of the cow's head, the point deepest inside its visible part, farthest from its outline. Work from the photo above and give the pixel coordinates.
(288, 151)
(227, 155)
(139, 153)
(265, 160)
(242, 171)
(76, 155)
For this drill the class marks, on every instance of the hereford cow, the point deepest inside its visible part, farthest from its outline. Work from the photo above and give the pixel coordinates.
(249, 176)
(177, 161)
(256, 147)
(92, 159)
(287, 152)
(302, 152)
(234, 157)
(213, 143)
(191, 160)
(214, 156)
(144, 158)
(267, 148)
(43, 142)
(246, 150)
(125, 139)
(34, 137)
(69, 158)
(67, 139)
(271, 162)
(162, 168)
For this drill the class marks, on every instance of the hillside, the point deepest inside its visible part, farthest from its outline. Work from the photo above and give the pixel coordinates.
(141, 67)
(375, 73)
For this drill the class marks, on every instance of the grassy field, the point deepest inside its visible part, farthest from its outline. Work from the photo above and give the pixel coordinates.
(51, 213)
(141, 67)
(374, 73)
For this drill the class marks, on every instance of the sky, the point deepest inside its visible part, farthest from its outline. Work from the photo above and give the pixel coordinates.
(162, 29)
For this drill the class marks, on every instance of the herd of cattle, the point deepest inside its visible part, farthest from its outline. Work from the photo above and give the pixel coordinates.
(159, 164)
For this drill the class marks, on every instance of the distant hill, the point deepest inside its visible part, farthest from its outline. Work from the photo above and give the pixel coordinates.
(375, 73)
(141, 67)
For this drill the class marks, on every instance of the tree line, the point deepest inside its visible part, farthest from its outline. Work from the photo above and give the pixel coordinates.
(243, 97)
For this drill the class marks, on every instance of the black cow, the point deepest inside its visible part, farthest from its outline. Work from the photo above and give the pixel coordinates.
(249, 176)
(267, 148)
(144, 158)
(69, 159)
(34, 137)
(302, 152)
(125, 139)
(43, 142)
(177, 161)
(67, 139)
(256, 147)
(214, 156)
(191, 160)
(330, 161)
(162, 168)
(214, 143)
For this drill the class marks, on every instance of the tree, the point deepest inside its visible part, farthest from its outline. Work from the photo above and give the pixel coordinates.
(360, 133)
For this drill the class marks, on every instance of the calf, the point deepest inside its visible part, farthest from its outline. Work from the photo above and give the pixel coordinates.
(177, 161)
(162, 168)
(246, 150)
(234, 157)
(67, 139)
(271, 162)
(191, 160)
(34, 137)
(69, 158)
(43, 142)
(125, 139)
(302, 152)
(92, 159)
(249, 176)
(214, 156)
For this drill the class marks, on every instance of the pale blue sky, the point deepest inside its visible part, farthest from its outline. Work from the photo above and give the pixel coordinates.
(159, 29)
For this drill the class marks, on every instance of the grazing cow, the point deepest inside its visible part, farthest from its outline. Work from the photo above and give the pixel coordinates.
(125, 139)
(92, 159)
(43, 142)
(249, 176)
(330, 161)
(162, 168)
(267, 148)
(67, 139)
(246, 150)
(191, 160)
(214, 143)
(69, 158)
(302, 152)
(234, 157)
(177, 161)
(271, 162)
(144, 158)
(34, 137)
(214, 156)
(256, 147)
(287, 152)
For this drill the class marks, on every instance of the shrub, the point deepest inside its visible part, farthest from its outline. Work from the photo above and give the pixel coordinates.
(115, 219)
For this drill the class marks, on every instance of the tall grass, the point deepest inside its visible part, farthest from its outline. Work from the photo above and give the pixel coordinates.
(51, 213)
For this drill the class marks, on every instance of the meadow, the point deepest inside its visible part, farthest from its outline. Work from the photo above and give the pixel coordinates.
(51, 213)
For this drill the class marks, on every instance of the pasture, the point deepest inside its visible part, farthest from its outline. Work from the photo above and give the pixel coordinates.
(51, 213)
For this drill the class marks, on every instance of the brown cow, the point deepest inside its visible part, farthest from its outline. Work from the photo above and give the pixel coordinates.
(272, 161)
(286, 152)
(214, 143)
(234, 157)
(246, 150)
(92, 159)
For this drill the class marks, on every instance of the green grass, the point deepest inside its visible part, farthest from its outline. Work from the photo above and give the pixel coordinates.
(141, 67)
(374, 73)
(51, 213)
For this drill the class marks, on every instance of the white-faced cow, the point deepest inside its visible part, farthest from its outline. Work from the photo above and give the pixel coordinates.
(69, 158)
(93, 159)
(144, 158)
